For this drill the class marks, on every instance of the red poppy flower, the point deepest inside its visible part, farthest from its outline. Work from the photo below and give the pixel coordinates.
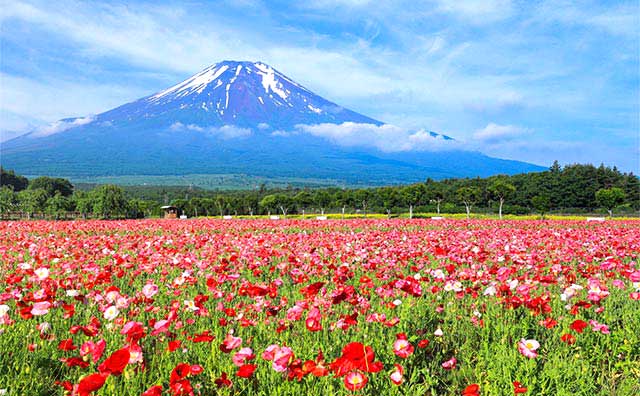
(115, 363)
(246, 370)
(471, 390)
(173, 345)
(578, 325)
(518, 388)
(311, 290)
(205, 336)
(75, 362)
(181, 388)
(91, 383)
(67, 345)
(223, 381)
(355, 356)
(549, 322)
(181, 371)
(568, 338)
(155, 390)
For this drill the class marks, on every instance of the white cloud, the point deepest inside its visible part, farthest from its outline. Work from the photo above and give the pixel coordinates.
(231, 131)
(386, 137)
(263, 126)
(494, 133)
(225, 131)
(281, 133)
(61, 126)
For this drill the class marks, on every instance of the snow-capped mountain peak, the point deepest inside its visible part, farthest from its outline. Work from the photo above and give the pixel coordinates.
(245, 94)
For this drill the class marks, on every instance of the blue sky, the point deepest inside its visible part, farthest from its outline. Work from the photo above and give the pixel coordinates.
(527, 80)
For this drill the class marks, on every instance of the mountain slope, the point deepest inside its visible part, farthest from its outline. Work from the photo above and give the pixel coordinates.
(237, 117)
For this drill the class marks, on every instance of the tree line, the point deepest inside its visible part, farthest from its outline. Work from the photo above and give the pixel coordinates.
(569, 189)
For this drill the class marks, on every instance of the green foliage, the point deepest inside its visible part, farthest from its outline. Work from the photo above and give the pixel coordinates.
(52, 185)
(501, 189)
(8, 199)
(541, 203)
(269, 203)
(109, 201)
(609, 198)
(9, 178)
(33, 200)
(83, 201)
(58, 205)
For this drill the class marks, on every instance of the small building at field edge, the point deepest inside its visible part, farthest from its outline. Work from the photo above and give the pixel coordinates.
(170, 212)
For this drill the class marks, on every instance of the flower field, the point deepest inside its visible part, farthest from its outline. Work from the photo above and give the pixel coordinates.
(293, 307)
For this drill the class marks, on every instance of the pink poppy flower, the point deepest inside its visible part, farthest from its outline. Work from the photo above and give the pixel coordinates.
(240, 357)
(528, 348)
(40, 308)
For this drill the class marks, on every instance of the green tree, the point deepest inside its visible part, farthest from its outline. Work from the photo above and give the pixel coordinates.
(221, 203)
(250, 202)
(389, 197)
(8, 199)
(435, 193)
(468, 196)
(109, 201)
(501, 189)
(285, 203)
(322, 198)
(413, 195)
(362, 197)
(136, 209)
(32, 200)
(541, 203)
(83, 202)
(303, 200)
(197, 205)
(52, 185)
(9, 178)
(609, 198)
(269, 203)
(58, 205)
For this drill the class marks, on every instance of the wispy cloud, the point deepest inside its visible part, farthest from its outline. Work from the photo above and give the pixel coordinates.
(494, 133)
(61, 126)
(386, 137)
(225, 131)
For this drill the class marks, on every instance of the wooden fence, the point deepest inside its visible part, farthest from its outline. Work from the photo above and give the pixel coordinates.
(44, 216)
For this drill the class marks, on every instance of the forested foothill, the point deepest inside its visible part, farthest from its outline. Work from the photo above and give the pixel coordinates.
(572, 189)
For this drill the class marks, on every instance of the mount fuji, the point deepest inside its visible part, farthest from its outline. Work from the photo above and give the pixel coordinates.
(243, 118)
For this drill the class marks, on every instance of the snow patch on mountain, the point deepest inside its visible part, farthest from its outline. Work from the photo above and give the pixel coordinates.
(197, 83)
(269, 81)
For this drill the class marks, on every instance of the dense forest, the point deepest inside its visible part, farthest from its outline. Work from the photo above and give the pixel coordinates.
(569, 189)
